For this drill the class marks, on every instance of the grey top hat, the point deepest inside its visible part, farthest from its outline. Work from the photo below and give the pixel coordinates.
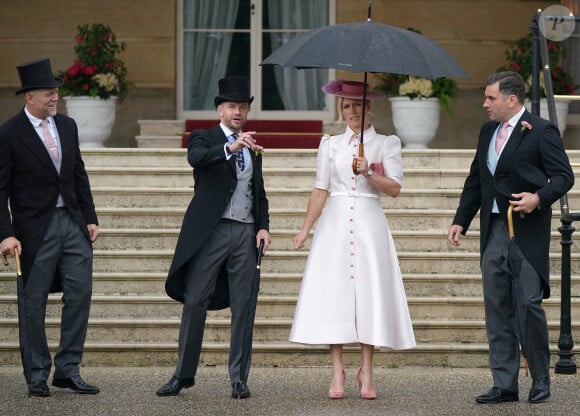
(37, 75)
(235, 89)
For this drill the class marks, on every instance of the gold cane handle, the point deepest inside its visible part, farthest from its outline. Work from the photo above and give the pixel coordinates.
(18, 265)
(17, 259)
(510, 220)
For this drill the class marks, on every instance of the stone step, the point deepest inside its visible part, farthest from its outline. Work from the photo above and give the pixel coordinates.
(131, 157)
(166, 238)
(157, 141)
(274, 177)
(270, 354)
(279, 158)
(139, 283)
(282, 218)
(141, 196)
(278, 197)
(287, 218)
(269, 307)
(150, 127)
(294, 261)
(266, 331)
(155, 197)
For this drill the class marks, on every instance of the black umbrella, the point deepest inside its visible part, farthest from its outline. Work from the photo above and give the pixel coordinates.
(22, 323)
(367, 47)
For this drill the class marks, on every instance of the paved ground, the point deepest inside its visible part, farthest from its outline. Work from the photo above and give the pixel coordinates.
(284, 391)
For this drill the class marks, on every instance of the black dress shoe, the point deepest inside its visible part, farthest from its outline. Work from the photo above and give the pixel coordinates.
(540, 391)
(174, 386)
(497, 395)
(240, 390)
(38, 388)
(75, 383)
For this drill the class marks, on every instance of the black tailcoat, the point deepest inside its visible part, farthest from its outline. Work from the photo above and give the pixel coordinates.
(215, 180)
(540, 146)
(30, 181)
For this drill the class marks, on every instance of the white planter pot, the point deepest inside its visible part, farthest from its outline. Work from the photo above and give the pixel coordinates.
(94, 117)
(561, 112)
(415, 121)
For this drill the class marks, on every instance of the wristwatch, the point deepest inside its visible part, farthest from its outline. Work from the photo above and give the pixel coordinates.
(369, 173)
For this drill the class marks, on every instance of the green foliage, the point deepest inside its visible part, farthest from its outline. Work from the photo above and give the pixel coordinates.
(519, 59)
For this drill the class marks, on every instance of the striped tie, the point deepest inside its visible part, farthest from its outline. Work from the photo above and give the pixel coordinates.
(239, 154)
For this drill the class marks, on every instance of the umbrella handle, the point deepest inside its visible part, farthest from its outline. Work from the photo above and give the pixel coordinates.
(361, 153)
(260, 253)
(510, 220)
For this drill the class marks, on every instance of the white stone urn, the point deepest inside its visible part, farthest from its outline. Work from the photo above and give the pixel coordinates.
(94, 117)
(561, 112)
(415, 121)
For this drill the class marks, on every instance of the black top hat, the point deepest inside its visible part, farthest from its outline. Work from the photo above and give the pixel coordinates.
(524, 178)
(37, 75)
(235, 89)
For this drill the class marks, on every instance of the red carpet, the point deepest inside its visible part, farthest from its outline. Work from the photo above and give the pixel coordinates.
(272, 134)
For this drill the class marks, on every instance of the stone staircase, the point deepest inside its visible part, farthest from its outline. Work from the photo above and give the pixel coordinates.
(141, 196)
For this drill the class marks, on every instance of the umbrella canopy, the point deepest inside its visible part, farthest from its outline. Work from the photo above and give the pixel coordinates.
(367, 47)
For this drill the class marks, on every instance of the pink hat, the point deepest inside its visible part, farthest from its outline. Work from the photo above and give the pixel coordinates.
(350, 89)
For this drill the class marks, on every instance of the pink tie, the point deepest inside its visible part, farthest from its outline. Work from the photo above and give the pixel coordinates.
(49, 140)
(501, 137)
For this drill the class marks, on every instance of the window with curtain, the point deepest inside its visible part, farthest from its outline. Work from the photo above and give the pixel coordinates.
(289, 88)
(224, 37)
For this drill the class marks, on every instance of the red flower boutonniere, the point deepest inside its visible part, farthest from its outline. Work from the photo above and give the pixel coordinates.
(526, 126)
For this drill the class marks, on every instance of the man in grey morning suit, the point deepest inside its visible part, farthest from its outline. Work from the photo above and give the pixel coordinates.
(516, 273)
(214, 265)
(51, 223)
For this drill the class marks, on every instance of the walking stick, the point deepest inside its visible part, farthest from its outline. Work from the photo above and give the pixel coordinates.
(510, 220)
(22, 323)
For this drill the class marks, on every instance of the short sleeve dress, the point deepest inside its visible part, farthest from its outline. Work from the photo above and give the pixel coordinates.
(352, 289)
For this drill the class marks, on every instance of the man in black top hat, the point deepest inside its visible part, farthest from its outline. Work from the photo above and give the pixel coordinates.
(520, 161)
(52, 223)
(214, 265)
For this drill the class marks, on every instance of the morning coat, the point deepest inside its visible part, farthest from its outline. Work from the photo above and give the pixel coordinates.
(215, 180)
(540, 146)
(31, 183)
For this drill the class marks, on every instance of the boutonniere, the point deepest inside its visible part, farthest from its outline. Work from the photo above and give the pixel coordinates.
(526, 126)
(257, 152)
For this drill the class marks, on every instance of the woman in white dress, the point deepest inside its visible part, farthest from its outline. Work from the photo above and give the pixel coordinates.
(352, 290)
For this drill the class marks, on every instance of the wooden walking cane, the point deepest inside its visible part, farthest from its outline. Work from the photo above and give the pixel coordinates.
(510, 220)
(22, 323)
(17, 259)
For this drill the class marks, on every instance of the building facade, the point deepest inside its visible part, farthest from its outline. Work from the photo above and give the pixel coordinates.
(178, 49)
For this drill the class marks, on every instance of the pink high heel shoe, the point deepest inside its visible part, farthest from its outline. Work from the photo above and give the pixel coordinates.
(368, 395)
(339, 394)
